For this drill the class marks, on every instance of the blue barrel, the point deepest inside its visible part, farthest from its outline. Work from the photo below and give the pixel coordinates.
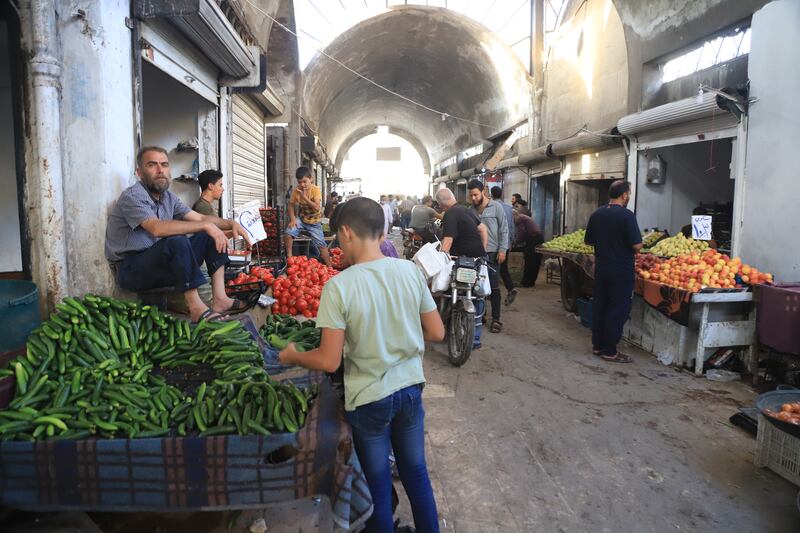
(19, 313)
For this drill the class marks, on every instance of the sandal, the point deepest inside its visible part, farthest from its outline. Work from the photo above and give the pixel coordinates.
(597, 351)
(240, 306)
(210, 315)
(497, 326)
(617, 358)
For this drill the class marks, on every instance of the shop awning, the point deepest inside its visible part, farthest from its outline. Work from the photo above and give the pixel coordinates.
(681, 111)
(207, 27)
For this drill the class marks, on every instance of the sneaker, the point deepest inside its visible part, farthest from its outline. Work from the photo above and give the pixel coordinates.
(476, 347)
(512, 294)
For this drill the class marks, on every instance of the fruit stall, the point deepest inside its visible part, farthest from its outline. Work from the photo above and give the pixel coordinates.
(690, 300)
(118, 406)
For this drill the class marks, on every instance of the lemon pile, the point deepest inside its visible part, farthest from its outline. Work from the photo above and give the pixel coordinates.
(571, 242)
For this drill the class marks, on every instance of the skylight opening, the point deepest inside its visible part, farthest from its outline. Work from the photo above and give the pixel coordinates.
(712, 52)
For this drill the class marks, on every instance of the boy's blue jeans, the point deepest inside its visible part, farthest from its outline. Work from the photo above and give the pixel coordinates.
(396, 421)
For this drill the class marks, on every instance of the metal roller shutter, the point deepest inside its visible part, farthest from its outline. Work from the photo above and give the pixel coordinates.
(249, 154)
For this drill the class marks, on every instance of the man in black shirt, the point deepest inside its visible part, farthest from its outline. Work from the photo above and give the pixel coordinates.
(462, 231)
(464, 234)
(615, 234)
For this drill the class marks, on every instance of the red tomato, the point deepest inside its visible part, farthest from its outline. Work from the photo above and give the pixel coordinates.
(292, 311)
(308, 314)
(302, 305)
(284, 310)
(276, 309)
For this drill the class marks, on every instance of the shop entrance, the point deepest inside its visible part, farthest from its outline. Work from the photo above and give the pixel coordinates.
(696, 181)
(582, 197)
(544, 203)
(182, 122)
(11, 258)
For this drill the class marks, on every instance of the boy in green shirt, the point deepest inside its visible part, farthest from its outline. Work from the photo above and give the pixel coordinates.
(380, 312)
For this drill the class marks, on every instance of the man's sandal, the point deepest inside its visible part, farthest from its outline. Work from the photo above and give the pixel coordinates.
(617, 358)
(497, 326)
(210, 315)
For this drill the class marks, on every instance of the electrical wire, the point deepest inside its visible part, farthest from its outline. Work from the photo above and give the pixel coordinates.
(443, 114)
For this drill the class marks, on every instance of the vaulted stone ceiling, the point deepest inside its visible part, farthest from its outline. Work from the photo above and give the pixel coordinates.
(430, 55)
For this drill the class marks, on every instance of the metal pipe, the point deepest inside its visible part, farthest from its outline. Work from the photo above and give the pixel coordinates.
(44, 188)
(527, 158)
(583, 141)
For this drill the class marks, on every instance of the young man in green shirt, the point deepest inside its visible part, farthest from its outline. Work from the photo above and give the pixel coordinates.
(380, 312)
(211, 189)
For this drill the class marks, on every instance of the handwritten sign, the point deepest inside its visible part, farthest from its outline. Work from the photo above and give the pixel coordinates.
(701, 227)
(250, 219)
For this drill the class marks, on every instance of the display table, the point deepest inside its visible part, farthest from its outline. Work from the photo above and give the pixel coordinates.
(197, 473)
(679, 326)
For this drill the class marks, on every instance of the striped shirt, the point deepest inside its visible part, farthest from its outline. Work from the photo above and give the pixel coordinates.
(124, 233)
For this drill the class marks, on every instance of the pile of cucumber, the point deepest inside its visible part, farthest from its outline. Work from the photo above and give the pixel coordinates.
(280, 330)
(100, 366)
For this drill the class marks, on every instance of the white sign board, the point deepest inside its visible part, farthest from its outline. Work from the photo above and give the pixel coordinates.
(701, 227)
(250, 219)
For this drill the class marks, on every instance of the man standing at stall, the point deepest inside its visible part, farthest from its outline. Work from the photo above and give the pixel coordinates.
(463, 233)
(494, 218)
(304, 214)
(614, 232)
(529, 237)
(147, 243)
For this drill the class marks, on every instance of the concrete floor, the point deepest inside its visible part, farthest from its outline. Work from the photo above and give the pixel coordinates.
(534, 433)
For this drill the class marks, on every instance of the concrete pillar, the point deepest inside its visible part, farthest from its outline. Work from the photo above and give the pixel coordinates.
(44, 187)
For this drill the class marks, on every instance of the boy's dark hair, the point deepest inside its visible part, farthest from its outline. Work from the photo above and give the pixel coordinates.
(302, 172)
(362, 215)
(517, 196)
(497, 192)
(475, 184)
(207, 177)
(618, 188)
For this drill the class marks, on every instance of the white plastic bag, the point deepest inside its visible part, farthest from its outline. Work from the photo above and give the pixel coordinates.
(483, 287)
(431, 260)
(441, 280)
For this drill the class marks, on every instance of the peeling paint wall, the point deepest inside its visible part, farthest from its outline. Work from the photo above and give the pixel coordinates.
(97, 131)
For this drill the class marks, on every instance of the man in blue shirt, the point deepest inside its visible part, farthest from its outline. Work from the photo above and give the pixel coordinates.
(505, 275)
(147, 242)
(614, 232)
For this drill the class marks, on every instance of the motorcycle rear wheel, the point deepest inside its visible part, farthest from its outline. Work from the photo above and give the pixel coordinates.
(460, 335)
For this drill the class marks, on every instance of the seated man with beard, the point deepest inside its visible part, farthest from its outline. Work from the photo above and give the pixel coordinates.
(147, 242)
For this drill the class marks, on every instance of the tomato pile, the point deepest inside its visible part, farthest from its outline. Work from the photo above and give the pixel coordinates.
(257, 274)
(299, 292)
(337, 258)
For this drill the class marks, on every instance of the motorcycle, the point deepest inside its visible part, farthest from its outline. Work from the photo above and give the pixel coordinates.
(457, 308)
(412, 242)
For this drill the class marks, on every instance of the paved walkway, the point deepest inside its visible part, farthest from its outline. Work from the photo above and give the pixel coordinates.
(535, 434)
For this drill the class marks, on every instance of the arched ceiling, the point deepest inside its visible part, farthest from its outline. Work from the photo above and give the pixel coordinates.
(430, 55)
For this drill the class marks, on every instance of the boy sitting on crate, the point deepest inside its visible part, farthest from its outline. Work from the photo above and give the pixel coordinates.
(380, 312)
(304, 214)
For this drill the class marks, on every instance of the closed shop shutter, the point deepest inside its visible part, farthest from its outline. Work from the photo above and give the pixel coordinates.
(249, 154)
(608, 164)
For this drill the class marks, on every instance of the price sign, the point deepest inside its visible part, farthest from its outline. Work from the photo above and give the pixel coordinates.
(701, 227)
(250, 219)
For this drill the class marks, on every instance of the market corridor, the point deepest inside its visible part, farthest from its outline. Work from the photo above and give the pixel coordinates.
(535, 434)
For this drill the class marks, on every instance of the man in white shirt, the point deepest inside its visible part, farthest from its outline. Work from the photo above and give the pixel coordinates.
(388, 214)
